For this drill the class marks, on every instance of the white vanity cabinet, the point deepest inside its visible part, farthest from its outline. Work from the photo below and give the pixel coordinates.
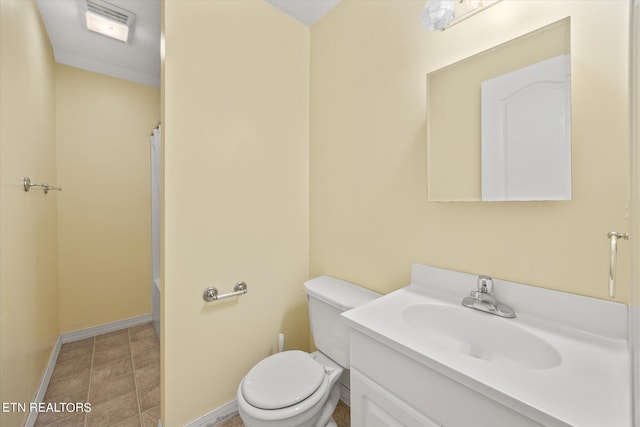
(390, 389)
(421, 358)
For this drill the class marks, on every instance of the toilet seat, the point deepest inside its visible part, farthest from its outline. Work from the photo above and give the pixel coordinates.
(282, 380)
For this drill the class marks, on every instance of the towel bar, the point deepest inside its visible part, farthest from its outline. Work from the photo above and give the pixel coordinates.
(614, 236)
(211, 293)
(27, 184)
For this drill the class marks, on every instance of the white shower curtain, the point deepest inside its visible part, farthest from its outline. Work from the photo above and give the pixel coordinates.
(155, 227)
(155, 204)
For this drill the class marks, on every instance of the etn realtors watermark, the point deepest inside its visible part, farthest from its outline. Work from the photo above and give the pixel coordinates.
(46, 407)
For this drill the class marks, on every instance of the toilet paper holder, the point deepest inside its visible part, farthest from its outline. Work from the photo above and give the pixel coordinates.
(211, 293)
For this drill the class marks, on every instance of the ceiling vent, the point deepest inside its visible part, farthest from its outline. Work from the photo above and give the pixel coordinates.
(107, 19)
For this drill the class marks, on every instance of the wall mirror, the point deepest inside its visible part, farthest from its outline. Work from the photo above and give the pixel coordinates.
(499, 122)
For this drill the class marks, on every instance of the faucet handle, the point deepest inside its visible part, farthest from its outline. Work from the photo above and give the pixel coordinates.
(485, 284)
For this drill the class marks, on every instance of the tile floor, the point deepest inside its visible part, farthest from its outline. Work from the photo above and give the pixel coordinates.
(342, 417)
(117, 373)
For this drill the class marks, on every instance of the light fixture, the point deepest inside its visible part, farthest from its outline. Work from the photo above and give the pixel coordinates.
(107, 19)
(441, 14)
(438, 14)
(474, 4)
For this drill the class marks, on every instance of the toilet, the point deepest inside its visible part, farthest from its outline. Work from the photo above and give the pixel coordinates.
(298, 389)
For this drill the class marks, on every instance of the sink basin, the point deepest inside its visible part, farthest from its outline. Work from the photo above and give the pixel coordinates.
(481, 335)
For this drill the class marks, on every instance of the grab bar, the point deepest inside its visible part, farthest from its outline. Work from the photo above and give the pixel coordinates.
(27, 184)
(614, 236)
(211, 293)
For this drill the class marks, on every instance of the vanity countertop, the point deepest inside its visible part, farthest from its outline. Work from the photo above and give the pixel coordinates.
(590, 386)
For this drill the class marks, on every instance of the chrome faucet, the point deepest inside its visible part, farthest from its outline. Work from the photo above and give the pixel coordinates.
(483, 299)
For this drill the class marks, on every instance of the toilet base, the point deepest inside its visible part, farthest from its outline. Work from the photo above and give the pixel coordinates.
(326, 417)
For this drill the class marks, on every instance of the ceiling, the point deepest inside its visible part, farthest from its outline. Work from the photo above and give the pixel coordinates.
(305, 11)
(74, 45)
(138, 60)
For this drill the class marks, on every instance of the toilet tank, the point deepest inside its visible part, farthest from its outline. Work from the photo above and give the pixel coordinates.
(328, 297)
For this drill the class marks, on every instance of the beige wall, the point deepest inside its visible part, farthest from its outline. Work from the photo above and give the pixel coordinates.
(235, 126)
(634, 300)
(28, 271)
(369, 214)
(78, 258)
(104, 225)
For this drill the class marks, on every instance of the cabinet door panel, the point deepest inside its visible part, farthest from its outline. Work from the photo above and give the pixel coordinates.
(372, 406)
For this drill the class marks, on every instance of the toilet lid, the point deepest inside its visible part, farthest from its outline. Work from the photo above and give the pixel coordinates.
(282, 380)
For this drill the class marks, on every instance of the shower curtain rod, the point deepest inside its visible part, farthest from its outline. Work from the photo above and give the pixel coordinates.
(155, 128)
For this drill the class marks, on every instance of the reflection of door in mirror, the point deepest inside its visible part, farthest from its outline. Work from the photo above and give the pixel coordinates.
(454, 122)
(526, 133)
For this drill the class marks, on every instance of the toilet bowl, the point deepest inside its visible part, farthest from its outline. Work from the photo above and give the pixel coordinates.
(289, 389)
(298, 389)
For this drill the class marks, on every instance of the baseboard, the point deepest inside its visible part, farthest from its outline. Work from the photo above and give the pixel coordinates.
(44, 383)
(216, 416)
(105, 328)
